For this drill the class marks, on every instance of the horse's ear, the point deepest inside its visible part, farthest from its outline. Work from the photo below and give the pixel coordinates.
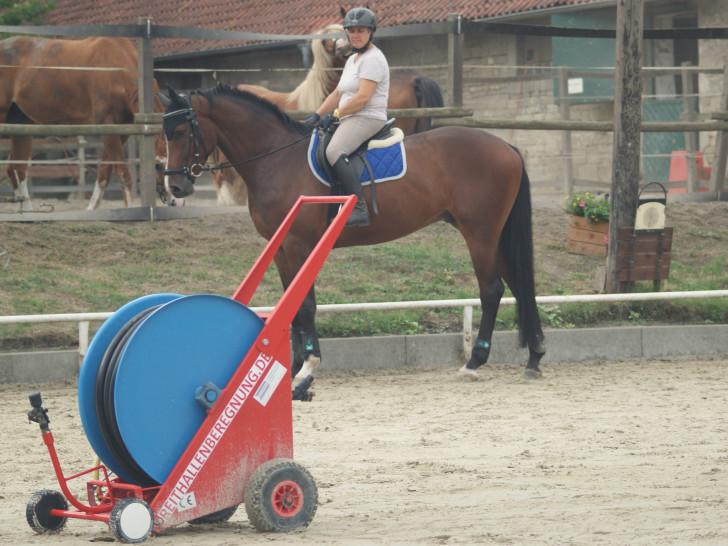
(164, 99)
(342, 11)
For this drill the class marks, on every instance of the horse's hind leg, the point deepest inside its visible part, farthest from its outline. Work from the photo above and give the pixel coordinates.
(491, 290)
(111, 155)
(535, 338)
(490, 296)
(20, 148)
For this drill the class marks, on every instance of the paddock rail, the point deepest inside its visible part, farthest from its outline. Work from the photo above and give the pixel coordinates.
(84, 319)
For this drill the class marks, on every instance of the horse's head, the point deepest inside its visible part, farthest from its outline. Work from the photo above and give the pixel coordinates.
(336, 50)
(186, 150)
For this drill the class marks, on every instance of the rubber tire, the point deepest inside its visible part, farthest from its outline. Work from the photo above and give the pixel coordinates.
(134, 508)
(38, 511)
(262, 496)
(216, 517)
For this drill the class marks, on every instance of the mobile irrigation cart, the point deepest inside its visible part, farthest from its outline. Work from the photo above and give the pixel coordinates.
(187, 401)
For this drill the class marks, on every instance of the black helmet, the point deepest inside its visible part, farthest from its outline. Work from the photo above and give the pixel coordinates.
(360, 17)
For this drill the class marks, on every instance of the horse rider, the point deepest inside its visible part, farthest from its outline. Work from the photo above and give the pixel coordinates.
(359, 102)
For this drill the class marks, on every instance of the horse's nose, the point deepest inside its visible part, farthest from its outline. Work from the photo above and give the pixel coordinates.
(179, 186)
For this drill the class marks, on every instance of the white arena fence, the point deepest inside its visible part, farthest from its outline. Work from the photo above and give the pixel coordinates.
(467, 305)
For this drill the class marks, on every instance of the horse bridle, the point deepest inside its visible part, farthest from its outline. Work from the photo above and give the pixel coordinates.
(174, 119)
(188, 114)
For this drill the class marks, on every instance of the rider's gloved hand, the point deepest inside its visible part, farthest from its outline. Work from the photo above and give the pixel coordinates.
(312, 120)
(327, 121)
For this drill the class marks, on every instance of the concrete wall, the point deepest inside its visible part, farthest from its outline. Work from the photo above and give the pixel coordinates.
(434, 350)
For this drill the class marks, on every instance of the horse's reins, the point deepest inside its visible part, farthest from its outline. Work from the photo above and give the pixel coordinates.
(196, 170)
(226, 164)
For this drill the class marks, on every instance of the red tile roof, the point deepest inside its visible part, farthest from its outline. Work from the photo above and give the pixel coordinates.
(289, 17)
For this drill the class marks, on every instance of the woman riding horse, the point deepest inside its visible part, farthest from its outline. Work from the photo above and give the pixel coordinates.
(465, 177)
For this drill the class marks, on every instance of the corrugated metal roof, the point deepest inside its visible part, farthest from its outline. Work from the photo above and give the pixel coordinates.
(289, 17)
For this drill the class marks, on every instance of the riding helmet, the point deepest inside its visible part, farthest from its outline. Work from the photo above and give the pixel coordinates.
(360, 17)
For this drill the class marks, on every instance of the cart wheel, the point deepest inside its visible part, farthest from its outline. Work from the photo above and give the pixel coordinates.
(131, 520)
(215, 517)
(38, 511)
(281, 496)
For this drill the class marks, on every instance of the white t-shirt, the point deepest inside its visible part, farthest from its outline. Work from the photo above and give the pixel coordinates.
(370, 65)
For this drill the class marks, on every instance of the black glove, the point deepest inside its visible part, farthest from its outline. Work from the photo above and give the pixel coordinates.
(327, 121)
(312, 120)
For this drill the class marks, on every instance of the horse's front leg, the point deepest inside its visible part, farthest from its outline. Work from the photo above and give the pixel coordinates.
(306, 350)
(304, 339)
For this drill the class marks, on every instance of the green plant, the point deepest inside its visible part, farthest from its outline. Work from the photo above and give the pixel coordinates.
(592, 206)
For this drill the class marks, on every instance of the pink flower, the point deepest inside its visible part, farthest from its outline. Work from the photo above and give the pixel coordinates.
(582, 204)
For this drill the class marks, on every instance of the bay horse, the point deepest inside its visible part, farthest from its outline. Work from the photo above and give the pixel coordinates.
(63, 82)
(466, 177)
(407, 89)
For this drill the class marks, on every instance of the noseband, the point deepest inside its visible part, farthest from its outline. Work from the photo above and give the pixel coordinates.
(172, 120)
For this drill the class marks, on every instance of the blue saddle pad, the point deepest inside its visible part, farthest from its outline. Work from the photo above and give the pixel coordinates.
(387, 163)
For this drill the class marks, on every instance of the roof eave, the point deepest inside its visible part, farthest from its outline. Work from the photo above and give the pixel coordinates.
(550, 11)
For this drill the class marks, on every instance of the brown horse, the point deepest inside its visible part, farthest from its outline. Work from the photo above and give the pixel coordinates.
(407, 89)
(468, 178)
(33, 89)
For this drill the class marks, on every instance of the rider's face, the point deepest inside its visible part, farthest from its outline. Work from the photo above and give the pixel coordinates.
(358, 36)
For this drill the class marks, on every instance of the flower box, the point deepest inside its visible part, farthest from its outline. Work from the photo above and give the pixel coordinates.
(587, 238)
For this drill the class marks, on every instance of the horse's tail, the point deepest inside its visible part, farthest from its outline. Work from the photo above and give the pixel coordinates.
(516, 247)
(428, 95)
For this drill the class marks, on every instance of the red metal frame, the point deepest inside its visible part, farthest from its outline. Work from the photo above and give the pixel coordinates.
(250, 423)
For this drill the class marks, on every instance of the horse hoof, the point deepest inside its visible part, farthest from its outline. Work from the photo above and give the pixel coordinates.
(530, 373)
(467, 374)
(300, 379)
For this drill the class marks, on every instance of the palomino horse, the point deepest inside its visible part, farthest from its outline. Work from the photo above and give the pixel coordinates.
(466, 177)
(407, 89)
(48, 82)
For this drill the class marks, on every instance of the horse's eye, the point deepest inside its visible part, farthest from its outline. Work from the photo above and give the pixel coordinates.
(180, 134)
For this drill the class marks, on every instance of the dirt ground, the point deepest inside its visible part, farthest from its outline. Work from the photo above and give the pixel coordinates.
(628, 452)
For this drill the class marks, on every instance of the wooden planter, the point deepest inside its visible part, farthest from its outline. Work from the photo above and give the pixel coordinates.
(644, 255)
(587, 238)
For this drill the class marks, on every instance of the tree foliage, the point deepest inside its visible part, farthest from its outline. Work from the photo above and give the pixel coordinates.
(14, 12)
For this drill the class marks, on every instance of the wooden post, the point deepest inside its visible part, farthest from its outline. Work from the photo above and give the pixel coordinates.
(82, 161)
(147, 175)
(566, 135)
(627, 126)
(717, 173)
(455, 40)
(691, 146)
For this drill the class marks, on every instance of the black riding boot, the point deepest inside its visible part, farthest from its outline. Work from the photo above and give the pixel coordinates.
(344, 172)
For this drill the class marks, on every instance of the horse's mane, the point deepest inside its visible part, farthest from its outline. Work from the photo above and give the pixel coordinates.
(312, 91)
(225, 90)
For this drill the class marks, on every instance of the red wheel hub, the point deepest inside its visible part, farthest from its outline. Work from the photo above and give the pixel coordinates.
(287, 499)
